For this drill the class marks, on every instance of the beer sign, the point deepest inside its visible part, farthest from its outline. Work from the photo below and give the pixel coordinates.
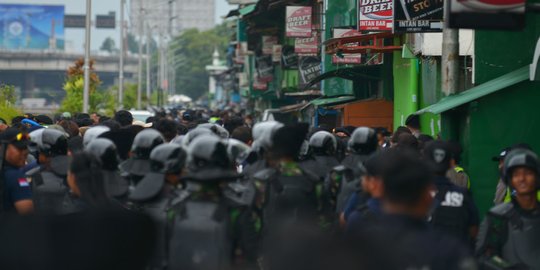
(298, 21)
(375, 15)
(306, 45)
(418, 16)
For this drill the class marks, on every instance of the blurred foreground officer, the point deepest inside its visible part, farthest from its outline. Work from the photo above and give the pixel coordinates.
(157, 191)
(49, 181)
(202, 221)
(406, 203)
(454, 210)
(14, 187)
(510, 233)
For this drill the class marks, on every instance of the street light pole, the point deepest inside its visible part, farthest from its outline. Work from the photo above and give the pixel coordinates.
(139, 77)
(121, 72)
(450, 57)
(86, 66)
(148, 97)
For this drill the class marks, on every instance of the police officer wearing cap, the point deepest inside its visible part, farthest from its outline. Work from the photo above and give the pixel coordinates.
(510, 231)
(155, 193)
(14, 187)
(454, 210)
(138, 165)
(49, 180)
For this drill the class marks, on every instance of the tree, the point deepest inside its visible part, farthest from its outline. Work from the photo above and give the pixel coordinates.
(192, 52)
(108, 45)
(7, 99)
(74, 86)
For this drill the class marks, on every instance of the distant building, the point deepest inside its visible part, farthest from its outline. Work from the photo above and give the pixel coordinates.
(172, 15)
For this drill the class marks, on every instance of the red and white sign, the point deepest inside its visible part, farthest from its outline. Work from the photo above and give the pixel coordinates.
(276, 53)
(298, 21)
(375, 15)
(491, 5)
(347, 58)
(267, 43)
(308, 45)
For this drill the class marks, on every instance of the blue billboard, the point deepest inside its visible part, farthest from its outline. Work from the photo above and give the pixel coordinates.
(31, 26)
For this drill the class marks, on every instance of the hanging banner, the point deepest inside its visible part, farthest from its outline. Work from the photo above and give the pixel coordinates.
(267, 43)
(309, 68)
(276, 53)
(298, 21)
(347, 58)
(306, 45)
(265, 69)
(418, 16)
(487, 14)
(289, 59)
(375, 15)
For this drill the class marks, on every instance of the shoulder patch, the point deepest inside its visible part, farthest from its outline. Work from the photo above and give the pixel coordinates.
(23, 182)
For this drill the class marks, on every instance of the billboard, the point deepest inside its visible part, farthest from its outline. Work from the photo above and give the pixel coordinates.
(348, 58)
(375, 15)
(418, 16)
(309, 68)
(31, 26)
(487, 14)
(298, 21)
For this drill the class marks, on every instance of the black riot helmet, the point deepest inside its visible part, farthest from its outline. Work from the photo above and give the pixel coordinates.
(167, 158)
(521, 157)
(53, 143)
(105, 151)
(208, 160)
(145, 142)
(438, 154)
(363, 141)
(323, 143)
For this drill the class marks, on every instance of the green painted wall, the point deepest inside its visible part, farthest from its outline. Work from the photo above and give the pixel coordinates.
(501, 119)
(339, 13)
(405, 88)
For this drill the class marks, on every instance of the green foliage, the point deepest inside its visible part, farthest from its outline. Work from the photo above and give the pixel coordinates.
(7, 99)
(108, 45)
(74, 86)
(192, 52)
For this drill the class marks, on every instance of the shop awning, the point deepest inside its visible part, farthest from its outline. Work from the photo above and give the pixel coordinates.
(247, 9)
(294, 107)
(332, 100)
(479, 91)
(344, 73)
(232, 13)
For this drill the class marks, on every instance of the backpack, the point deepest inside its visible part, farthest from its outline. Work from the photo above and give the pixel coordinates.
(49, 192)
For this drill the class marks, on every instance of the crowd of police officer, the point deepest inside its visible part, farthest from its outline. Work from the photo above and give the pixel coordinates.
(223, 193)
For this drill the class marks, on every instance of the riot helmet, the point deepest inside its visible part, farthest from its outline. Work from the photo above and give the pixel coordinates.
(167, 158)
(192, 134)
(93, 133)
(217, 129)
(52, 143)
(521, 157)
(208, 160)
(237, 150)
(105, 151)
(263, 132)
(363, 141)
(145, 141)
(323, 143)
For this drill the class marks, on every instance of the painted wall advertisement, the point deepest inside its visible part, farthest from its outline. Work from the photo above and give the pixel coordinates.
(309, 68)
(347, 58)
(306, 45)
(298, 21)
(416, 16)
(487, 14)
(31, 26)
(375, 15)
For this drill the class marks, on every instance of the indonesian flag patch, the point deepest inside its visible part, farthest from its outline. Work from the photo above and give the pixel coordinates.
(23, 182)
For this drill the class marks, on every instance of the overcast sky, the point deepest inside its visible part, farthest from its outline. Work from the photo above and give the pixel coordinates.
(75, 37)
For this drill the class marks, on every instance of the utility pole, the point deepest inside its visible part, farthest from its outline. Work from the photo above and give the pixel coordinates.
(450, 57)
(86, 66)
(148, 65)
(121, 72)
(139, 77)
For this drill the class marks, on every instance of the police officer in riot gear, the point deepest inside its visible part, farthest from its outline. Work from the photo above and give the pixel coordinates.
(203, 219)
(323, 145)
(454, 210)
(262, 133)
(509, 234)
(105, 151)
(49, 180)
(155, 193)
(138, 165)
(92, 133)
